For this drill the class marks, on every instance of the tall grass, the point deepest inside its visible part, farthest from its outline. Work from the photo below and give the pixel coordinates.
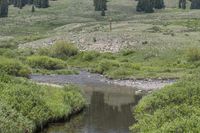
(25, 106)
(193, 54)
(13, 67)
(45, 62)
(173, 109)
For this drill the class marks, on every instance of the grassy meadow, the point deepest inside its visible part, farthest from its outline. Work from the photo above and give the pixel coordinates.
(68, 34)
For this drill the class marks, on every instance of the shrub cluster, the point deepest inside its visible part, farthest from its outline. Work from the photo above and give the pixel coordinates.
(25, 106)
(13, 67)
(60, 49)
(175, 108)
(45, 62)
(193, 54)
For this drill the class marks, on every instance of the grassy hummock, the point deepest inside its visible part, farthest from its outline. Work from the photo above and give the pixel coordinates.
(175, 108)
(26, 106)
(13, 67)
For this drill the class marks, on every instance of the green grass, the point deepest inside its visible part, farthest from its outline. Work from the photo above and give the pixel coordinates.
(13, 67)
(45, 62)
(67, 71)
(175, 108)
(60, 49)
(25, 106)
(137, 64)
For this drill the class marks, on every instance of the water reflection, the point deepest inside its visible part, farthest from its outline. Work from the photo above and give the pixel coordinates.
(109, 111)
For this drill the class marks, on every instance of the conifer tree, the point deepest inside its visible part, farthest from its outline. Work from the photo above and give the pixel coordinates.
(41, 3)
(195, 4)
(33, 8)
(3, 8)
(182, 4)
(148, 6)
(100, 5)
(159, 4)
(103, 13)
(19, 3)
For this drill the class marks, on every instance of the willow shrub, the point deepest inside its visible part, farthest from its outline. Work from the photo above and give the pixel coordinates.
(175, 108)
(25, 106)
(63, 50)
(13, 67)
(10, 120)
(193, 54)
(45, 62)
(60, 49)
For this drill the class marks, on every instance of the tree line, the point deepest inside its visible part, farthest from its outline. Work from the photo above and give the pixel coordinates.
(147, 6)
(4, 5)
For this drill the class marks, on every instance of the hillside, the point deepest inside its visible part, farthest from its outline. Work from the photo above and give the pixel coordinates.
(77, 22)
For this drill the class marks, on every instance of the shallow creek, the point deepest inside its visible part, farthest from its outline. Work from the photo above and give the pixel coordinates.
(109, 110)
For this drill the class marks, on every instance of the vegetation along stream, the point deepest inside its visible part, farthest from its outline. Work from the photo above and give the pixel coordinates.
(109, 110)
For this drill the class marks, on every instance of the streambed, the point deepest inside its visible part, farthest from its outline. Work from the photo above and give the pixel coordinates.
(110, 105)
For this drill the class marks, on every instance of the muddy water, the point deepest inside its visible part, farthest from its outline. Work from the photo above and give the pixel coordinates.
(110, 106)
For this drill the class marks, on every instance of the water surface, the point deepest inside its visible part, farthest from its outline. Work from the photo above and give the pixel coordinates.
(109, 110)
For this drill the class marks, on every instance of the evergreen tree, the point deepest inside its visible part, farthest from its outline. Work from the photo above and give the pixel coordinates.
(19, 3)
(140, 6)
(41, 3)
(3, 8)
(195, 4)
(33, 8)
(146, 6)
(100, 5)
(182, 4)
(103, 13)
(159, 4)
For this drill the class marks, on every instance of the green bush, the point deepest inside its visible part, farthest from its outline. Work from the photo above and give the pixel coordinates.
(108, 55)
(12, 120)
(4, 50)
(45, 62)
(45, 51)
(89, 55)
(127, 52)
(63, 50)
(105, 65)
(8, 44)
(193, 54)
(25, 106)
(175, 108)
(120, 73)
(13, 67)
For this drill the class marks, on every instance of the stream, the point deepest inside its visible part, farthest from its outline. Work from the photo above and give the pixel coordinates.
(109, 110)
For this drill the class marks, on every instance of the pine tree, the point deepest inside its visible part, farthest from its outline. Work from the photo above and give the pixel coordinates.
(148, 6)
(140, 6)
(182, 4)
(19, 3)
(195, 4)
(3, 8)
(100, 5)
(33, 8)
(159, 4)
(103, 13)
(41, 3)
